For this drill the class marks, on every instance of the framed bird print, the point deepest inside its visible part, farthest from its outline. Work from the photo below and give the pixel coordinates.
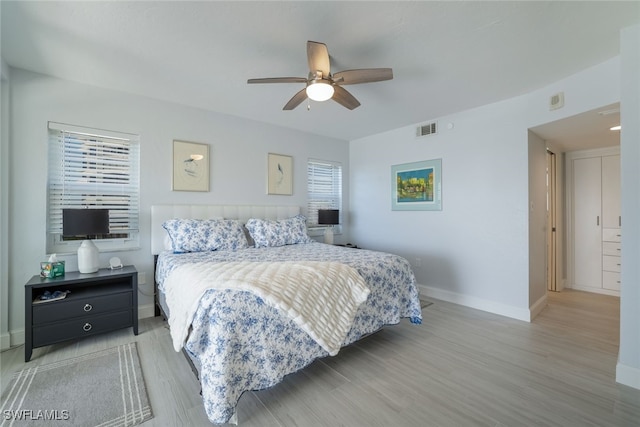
(190, 166)
(279, 174)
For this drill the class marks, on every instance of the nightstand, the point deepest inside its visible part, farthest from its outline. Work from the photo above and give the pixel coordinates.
(97, 302)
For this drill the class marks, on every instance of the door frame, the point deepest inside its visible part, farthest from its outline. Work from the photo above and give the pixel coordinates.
(553, 284)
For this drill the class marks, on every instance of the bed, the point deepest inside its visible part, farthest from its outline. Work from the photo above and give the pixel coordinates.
(240, 338)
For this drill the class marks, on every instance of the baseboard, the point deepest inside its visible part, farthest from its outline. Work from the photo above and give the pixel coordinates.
(537, 307)
(561, 285)
(147, 310)
(477, 303)
(595, 290)
(628, 375)
(16, 337)
(5, 341)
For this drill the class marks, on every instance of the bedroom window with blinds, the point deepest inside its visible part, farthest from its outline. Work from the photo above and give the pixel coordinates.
(93, 169)
(324, 188)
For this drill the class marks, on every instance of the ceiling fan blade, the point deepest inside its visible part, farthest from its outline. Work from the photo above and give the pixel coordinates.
(318, 57)
(366, 75)
(344, 98)
(278, 80)
(297, 99)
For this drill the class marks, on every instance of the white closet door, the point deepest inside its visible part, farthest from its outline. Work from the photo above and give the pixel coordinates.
(611, 191)
(587, 183)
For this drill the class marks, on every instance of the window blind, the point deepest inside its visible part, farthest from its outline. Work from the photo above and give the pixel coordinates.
(93, 169)
(324, 187)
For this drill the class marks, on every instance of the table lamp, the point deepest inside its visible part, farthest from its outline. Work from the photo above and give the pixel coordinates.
(86, 223)
(329, 217)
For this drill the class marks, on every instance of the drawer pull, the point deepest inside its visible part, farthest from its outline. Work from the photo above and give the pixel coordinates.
(87, 307)
(87, 327)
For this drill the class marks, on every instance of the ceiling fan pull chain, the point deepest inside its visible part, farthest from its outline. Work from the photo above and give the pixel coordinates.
(308, 105)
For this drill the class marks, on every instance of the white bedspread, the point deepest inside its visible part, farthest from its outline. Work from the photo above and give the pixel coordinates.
(322, 298)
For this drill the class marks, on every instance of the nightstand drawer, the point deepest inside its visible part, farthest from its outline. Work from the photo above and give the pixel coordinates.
(77, 328)
(73, 307)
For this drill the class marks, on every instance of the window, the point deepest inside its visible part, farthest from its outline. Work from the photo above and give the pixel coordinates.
(91, 168)
(324, 187)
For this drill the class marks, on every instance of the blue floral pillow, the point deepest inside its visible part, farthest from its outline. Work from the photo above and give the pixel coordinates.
(269, 233)
(198, 235)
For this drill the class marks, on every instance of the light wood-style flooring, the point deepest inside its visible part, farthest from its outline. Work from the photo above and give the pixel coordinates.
(461, 367)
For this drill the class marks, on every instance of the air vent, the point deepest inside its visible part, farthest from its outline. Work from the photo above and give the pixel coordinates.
(556, 101)
(428, 129)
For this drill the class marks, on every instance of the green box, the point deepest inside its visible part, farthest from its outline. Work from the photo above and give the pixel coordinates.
(50, 270)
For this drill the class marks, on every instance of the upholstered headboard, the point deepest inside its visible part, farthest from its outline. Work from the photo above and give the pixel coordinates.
(162, 213)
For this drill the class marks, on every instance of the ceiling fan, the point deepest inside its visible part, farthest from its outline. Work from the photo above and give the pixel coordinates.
(321, 85)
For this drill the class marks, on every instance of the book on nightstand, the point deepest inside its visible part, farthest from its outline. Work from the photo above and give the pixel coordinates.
(49, 296)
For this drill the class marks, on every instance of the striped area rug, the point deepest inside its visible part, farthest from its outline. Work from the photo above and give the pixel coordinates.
(103, 389)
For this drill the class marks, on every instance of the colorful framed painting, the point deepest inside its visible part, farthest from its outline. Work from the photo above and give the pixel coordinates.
(190, 166)
(279, 174)
(417, 186)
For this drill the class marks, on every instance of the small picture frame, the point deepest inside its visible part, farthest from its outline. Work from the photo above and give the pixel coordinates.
(190, 166)
(417, 186)
(279, 174)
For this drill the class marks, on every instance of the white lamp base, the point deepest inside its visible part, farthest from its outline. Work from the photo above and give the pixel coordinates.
(328, 235)
(88, 257)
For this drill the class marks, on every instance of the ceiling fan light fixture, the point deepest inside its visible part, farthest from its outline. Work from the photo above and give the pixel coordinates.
(319, 91)
(321, 85)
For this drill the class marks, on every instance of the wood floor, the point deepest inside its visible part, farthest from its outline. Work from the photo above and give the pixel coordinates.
(461, 367)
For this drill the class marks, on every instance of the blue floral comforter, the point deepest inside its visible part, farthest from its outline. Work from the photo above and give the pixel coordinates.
(240, 343)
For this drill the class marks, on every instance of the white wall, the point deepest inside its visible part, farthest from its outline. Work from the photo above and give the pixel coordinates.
(238, 168)
(476, 250)
(537, 224)
(628, 368)
(4, 206)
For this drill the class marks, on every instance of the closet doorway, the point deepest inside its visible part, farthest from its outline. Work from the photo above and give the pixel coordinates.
(589, 130)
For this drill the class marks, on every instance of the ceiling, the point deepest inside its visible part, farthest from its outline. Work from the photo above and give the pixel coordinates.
(591, 129)
(446, 56)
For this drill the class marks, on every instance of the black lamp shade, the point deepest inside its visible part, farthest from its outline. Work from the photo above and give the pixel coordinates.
(328, 216)
(84, 222)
